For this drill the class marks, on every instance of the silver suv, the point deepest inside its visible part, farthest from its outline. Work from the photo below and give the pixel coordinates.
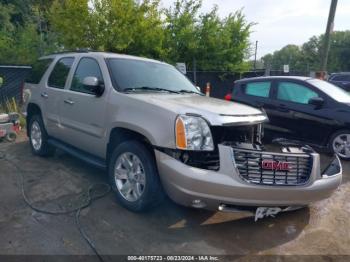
(154, 132)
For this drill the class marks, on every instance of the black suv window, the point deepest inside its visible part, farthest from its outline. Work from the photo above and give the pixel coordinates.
(86, 67)
(294, 92)
(261, 89)
(38, 70)
(60, 72)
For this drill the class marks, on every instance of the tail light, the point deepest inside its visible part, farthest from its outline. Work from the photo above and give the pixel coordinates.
(228, 97)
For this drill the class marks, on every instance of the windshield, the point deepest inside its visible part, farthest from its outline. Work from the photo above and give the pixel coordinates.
(130, 75)
(333, 91)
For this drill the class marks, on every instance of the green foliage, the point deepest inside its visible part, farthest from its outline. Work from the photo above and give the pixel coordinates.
(308, 56)
(70, 20)
(31, 28)
(215, 43)
(290, 54)
(181, 35)
(24, 35)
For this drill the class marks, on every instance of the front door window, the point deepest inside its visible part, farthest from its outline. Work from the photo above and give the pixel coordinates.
(293, 92)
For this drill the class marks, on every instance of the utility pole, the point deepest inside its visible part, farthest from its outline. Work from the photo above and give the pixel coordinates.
(327, 36)
(256, 51)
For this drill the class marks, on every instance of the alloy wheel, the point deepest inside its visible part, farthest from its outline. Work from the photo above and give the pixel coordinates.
(341, 145)
(36, 136)
(129, 175)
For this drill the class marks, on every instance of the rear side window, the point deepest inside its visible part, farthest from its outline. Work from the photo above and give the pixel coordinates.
(38, 70)
(59, 74)
(293, 92)
(261, 89)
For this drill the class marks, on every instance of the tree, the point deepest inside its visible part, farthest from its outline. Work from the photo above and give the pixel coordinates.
(70, 20)
(181, 35)
(178, 34)
(235, 44)
(215, 43)
(339, 54)
(109, 25)
(23, 33)
(289, 55)
(308, 57)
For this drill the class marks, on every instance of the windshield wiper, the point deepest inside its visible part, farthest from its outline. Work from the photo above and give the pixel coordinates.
(150, 89)
(189, 92)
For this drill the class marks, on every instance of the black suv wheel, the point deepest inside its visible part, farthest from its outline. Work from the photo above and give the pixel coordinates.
(340, 144)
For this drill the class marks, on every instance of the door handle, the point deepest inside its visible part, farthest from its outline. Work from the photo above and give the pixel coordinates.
(44, 95)
(69, 102)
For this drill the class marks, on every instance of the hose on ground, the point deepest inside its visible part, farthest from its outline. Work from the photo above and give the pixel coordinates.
(95, 191)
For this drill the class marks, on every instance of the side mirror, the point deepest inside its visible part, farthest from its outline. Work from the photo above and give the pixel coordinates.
(316, 101)
(94, 85)
(1, 81)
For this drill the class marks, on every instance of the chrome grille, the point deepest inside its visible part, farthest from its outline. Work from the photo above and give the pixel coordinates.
(248, 163)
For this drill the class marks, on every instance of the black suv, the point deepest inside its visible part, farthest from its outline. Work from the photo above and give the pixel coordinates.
(341, 79)
(301, 109)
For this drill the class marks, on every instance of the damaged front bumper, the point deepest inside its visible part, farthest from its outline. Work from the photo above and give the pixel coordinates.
(234, 185)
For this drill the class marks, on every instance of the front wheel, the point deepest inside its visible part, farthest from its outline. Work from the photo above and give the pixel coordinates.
(340, 144)
(134, 176)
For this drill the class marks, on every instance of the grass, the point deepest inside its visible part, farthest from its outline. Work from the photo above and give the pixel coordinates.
(11, 105)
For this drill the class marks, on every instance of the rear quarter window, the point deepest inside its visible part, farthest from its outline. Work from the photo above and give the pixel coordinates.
(260, 89)
(38, 70)
(59, 74)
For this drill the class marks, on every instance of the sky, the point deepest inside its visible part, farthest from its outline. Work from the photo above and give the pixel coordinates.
(282, 22)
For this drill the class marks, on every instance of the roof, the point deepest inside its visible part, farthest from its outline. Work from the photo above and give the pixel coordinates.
(340, 73)
(302, 78)
(97, 53)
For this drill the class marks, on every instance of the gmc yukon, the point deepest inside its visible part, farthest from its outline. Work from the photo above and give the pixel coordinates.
(155, 133)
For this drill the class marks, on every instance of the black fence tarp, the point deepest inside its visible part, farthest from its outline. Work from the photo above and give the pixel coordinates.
(13, 78)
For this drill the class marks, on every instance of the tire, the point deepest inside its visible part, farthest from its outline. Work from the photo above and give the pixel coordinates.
(38, 137)
(136, 183)
(339, 144)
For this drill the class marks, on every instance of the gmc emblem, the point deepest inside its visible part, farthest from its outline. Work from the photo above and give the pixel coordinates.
(275, 165)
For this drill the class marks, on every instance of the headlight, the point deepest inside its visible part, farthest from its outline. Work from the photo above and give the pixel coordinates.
(193, 133)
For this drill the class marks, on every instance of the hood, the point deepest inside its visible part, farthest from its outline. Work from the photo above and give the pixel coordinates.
(215, 111)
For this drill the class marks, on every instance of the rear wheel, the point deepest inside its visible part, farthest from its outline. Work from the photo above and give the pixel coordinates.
(38, 137)
(134, 177)
(340, 144)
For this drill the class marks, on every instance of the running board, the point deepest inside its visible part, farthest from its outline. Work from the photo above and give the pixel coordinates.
(86, 157)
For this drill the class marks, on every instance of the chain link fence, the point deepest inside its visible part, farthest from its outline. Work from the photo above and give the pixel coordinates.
(12, 80)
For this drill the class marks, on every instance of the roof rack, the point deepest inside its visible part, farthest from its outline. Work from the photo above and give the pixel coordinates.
(84, 50)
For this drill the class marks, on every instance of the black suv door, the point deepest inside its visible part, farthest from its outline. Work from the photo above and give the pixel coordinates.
(293, 114)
